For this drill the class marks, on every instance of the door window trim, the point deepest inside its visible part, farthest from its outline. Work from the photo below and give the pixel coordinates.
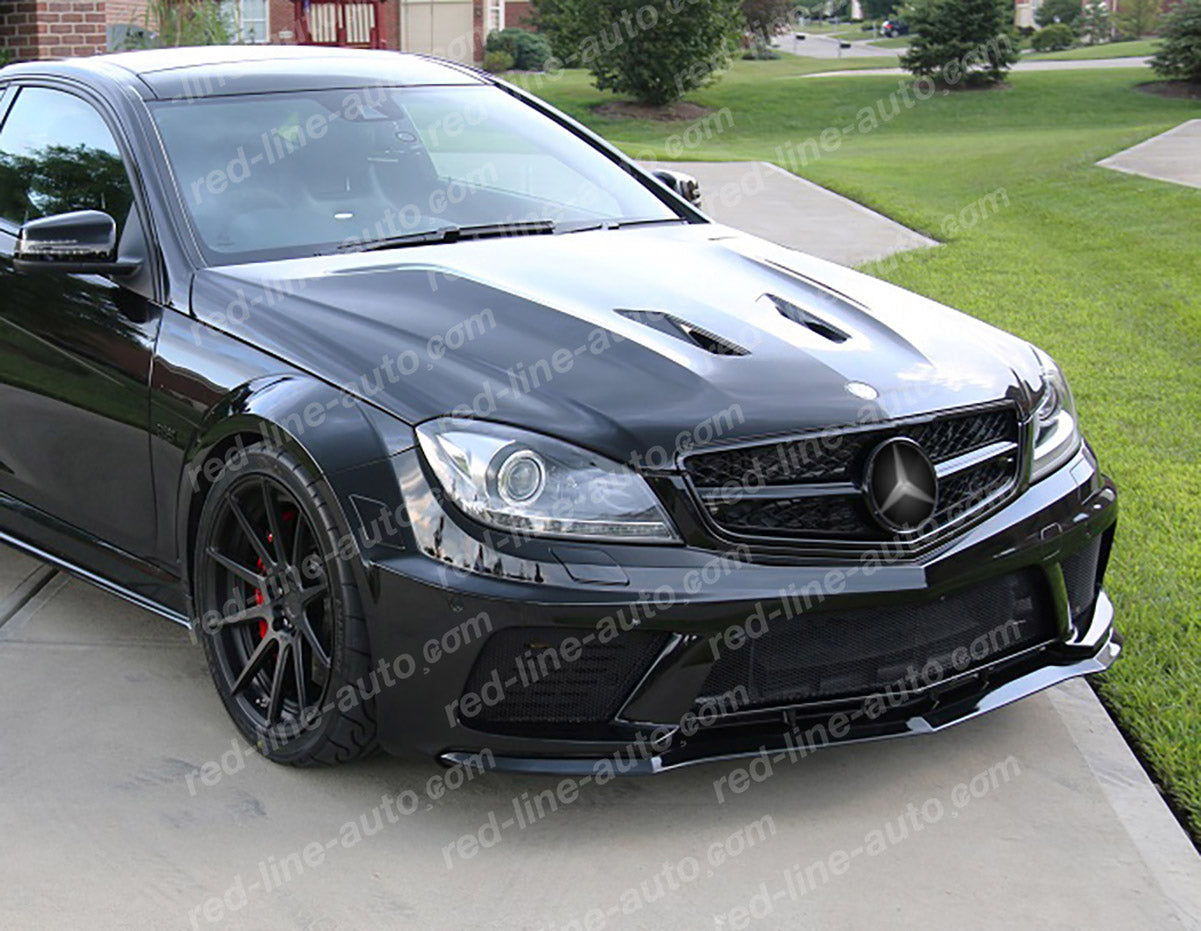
(12, 93)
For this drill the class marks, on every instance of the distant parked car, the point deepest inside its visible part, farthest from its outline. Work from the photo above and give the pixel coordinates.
(892, 28)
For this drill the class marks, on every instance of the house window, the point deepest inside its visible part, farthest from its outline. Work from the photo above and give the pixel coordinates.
(496, 15)
(250, 20)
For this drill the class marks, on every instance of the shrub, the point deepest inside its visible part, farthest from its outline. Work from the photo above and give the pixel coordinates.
(529, 50)
(659, 50)
(956, 40)
(498, 61)
(1180, 54)
(1055, 37)
(1058, 11)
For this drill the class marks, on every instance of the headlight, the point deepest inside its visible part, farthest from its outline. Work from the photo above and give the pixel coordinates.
(527, 483)
(1056, 434)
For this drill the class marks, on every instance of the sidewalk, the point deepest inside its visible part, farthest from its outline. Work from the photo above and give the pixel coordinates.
(1172, 156)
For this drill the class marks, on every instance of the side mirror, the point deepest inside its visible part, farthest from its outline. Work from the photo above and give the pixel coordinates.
(83, 242)
(684, 185)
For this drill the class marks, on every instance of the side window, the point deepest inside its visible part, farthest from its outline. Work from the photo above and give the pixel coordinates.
(57, 155)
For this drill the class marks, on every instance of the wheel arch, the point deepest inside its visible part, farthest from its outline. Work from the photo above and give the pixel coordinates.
(328, 430)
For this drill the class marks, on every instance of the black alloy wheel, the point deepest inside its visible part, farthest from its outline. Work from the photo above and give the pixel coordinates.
(279, 615)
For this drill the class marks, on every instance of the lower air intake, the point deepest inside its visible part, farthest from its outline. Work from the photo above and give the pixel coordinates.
(848, 654)
(528, 675)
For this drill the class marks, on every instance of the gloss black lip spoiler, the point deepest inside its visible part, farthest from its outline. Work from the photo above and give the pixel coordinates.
(1102, 645)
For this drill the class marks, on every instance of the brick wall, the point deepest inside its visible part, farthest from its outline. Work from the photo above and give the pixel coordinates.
(126, 12)
(52, 28)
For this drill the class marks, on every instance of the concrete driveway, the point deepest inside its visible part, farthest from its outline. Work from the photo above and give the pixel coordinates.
(126, 801)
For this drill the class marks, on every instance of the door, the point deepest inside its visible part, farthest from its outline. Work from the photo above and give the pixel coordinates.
(75, 350)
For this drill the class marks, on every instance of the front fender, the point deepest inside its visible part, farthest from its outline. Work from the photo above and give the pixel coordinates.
(345, 442)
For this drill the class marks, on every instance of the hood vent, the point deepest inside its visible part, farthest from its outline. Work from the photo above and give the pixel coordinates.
(807, 320)
(682, 329)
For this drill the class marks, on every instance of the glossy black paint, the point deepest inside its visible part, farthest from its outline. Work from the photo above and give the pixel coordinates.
(116, 391)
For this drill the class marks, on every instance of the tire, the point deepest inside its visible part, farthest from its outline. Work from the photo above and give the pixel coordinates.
(279, 613)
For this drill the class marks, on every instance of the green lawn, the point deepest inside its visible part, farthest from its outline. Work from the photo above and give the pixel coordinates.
(897, 42)
(1098, 267)
(1134, 49)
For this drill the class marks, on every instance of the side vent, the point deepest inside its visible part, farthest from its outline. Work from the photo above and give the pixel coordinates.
(807, 320)
(682, 329)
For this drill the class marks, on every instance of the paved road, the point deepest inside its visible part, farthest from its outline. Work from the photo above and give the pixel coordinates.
(816, 46)
(1172, 156)
(1020, 66)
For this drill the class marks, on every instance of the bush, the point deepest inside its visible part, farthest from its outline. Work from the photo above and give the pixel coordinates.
(659, 50)
(498, 61)
(1180, 54)
(1058, 11)
(956, 40)
(1053, 39)
(529, 50)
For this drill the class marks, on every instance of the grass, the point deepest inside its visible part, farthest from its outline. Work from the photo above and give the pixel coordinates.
(1133, 49)
(1098, 267)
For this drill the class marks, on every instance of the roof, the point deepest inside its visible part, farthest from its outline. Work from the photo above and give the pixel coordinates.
(220, 70)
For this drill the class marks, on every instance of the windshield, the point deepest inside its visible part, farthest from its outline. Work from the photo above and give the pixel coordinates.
(294, 174)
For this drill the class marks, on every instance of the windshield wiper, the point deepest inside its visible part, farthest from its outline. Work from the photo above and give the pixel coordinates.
(452, 234)
(622, 224)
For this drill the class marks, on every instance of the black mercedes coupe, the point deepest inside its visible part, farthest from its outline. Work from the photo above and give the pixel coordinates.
(448, 429)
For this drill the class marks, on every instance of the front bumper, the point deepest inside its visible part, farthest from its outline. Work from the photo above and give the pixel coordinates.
(441, 590)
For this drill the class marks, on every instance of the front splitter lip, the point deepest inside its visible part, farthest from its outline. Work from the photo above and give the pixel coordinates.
(1101, 635)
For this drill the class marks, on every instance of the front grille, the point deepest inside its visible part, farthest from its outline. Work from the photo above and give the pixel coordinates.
(831, 655)
(811, 486)
(531, 675)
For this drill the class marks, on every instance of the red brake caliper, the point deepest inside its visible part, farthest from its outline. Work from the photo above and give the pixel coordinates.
(259, 598)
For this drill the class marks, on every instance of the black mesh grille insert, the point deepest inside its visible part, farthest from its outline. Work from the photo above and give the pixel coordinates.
(839, 458)
(845, 654)
(1080, 577)
(533, 674)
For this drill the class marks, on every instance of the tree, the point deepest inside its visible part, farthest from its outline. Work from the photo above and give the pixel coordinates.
(1138, 17)
(1094, 23)
(1180, 54)
(765, 18)
(564, 23)
(1058, 11)
(172, 23)
(878, 9)
(658, 50)
(957, 40)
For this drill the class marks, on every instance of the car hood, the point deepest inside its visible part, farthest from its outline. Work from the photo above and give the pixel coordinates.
(625, 341)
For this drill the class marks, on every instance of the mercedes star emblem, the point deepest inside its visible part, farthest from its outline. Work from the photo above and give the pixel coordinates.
(901, 485)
